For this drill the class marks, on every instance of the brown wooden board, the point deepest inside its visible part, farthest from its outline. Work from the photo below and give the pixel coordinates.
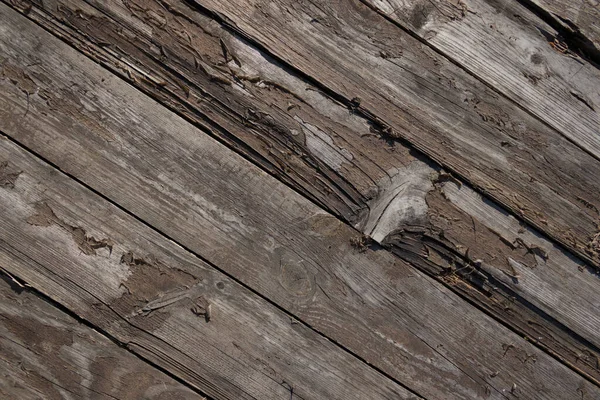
(47, 354)
(205, 197)
(445, 236)
(439, 108)
(160, 301)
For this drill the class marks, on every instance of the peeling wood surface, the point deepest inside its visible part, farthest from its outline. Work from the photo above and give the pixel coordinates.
(47, 354)
(508, 270)
(397, 189)
(440, 109)
(163, 303)
(183, 65)
(430, 340)
(546, 275)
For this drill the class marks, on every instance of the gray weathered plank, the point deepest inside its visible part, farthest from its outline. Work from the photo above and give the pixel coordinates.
(546, 276)
(325, 131)
(202, 195)
(439, 108)
(162, 302)
(510, 48)
(47, 354)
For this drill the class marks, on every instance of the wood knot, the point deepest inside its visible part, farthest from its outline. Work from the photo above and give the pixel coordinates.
(202, 308)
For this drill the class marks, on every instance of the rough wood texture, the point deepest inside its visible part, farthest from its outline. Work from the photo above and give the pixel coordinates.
(212, 99)
(397, 190)
(443, 111)
(580, 18)
(162, 302)
(509, 271)
(226, 210)
(46, 354)
(512, 50)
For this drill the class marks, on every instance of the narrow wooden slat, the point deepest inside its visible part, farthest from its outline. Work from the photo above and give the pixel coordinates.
(511, 49)
(424, 98)
(47, 354)
(325, 131)
(199, 193)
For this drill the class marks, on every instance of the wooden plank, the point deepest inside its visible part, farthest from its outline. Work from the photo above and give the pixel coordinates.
(579, 18)
(162, 302)
(460, 233)
(217, 106)
(235, 216)
(508, 270)
(47, 354)
(440, 109)
(512, 50)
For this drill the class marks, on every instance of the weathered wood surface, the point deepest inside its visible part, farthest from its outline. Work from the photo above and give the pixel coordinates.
(516, 53)
(581, 18)
(522, 279)
(326, 132)
(211, 101)
(442, 110)
(47, 354)
(162, 302)
(237, 217)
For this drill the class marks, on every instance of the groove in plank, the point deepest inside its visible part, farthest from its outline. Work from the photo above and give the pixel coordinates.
(580, 20)
(402, 183)
(47, 354)
(247, 223)
(443, 111)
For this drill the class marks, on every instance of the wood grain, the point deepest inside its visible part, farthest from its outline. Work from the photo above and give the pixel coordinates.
(424, 98)
(512, 50)
(47, 354)
(162, 302)
(202, 195)
(395, 187)
(398, 190)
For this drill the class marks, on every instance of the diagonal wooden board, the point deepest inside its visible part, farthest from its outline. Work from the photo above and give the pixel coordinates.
(580, 18)
(47, 354)
(235, 216)
(440, 109)
(512, 50)
(159, 300)
(562, 291)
